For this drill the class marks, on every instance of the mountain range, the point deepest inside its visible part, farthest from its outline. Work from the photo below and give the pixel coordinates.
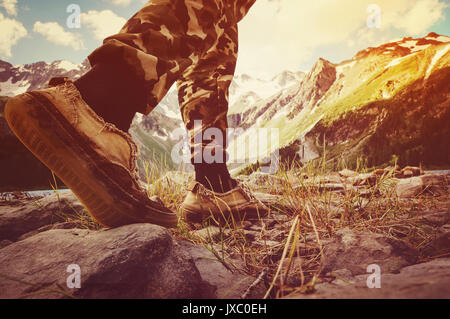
(389, 100)
(152, 133)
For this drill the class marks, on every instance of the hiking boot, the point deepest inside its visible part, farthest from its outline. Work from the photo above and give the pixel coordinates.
(202, 203)
(93, 158)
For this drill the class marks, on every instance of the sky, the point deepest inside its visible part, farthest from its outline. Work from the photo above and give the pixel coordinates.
(276, 35)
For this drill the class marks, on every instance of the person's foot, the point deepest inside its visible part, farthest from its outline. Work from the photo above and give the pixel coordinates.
(93, 158)
(202, 203)
(215, 177)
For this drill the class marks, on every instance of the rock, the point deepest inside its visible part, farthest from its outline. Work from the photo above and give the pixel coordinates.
(274, 234)
(433, 180)
(393, 168)
(363, 179)
(342, 274)
(290, 271)
(347, 173)
(390, 171)
(440, 245)
(365, 192)
(16, 221)
(410, 171)
(329, 179)
(268, 199)
(445, 228)
(211, 233)
(354, 250)
(381, 172)
(267, 243)
(430, 183)
(133, 261)
(67, 225)
(5, 243)
(259, 180)
(322, 186)
(277, 201)
(270, 223)
(331, 187)
(434, 184)
(251, 235)
(255, 228)
(430, 280)
(304, 249)
(399, 175)
(246, 224)
(227, 284)
(409, 187)
(435, 218)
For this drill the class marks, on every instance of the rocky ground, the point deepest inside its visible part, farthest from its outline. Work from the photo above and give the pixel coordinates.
(322, 234)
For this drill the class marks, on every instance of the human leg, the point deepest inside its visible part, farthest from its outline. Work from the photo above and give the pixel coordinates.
(93, 157)
(203, 95)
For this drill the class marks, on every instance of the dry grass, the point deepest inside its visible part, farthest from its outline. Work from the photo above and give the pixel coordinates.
(304, 217)
(285, 249)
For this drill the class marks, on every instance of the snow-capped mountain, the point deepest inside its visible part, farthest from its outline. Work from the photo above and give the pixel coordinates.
(153, 133)
(18, 79)
(408, 73)
(246, 89)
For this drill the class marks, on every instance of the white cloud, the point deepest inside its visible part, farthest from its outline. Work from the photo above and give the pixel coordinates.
(123, 3)
(119, 2)
(416, 19)
(12, 32)
(10, 6)
(55, 33)
(282, 34)
(103, 23)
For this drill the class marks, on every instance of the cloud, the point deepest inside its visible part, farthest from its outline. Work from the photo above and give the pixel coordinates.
(415, 19)
(10, 6)
(124, 3)
(12, 32)
(55, 33)
(285, 33)
(119, 2)
(103, 23)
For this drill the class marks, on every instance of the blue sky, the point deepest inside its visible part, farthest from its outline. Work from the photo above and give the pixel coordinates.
(34, 47)
(276, 35)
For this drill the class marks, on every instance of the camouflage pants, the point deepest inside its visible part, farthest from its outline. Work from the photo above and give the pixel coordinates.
(191, 42)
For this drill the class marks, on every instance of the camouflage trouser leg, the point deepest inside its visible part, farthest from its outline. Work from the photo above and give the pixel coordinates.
(203, 90)
(191, 42)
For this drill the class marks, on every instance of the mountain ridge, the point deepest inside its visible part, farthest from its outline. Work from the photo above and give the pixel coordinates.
(328, 103)
(373, 74)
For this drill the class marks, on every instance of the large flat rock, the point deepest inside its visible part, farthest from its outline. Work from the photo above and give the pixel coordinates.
(134, 261)
(430, 280)
(355, 250)
(227, 283)
(31, 215)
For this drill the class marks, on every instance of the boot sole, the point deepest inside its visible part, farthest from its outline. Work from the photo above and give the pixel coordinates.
(46, 135)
